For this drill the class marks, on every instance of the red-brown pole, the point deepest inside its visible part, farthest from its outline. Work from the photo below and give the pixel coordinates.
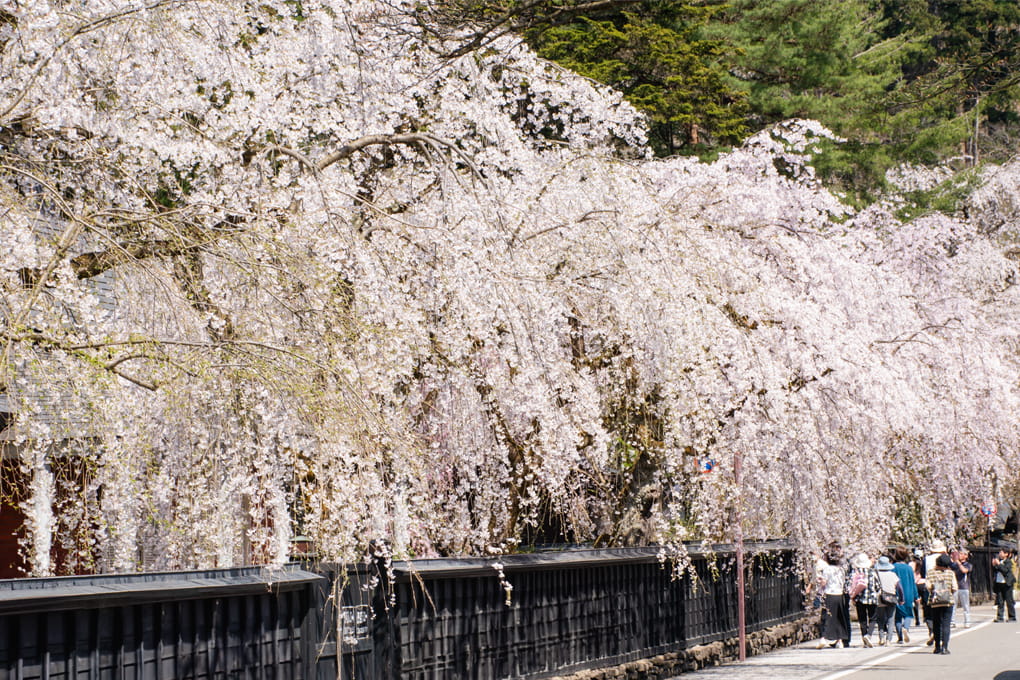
(739, 536)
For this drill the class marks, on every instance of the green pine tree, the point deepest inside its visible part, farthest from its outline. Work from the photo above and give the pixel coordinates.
(657, 58)
(821, 59)
(963, 76)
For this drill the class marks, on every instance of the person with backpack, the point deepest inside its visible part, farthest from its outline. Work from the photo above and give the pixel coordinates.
(942, 589)
(862, 589)
(889, 597)
(938, 548)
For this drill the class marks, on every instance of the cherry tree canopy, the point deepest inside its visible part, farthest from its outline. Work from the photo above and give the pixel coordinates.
(274, 267)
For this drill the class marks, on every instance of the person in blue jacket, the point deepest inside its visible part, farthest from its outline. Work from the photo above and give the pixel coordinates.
(905, 610)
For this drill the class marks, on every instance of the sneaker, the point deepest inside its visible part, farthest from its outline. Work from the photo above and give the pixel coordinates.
(906, 636)
(839, 644)
(945, 651)
(821, 644)
(867, 641)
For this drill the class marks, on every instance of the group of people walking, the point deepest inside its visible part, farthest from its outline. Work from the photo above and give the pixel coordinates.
(892, 591)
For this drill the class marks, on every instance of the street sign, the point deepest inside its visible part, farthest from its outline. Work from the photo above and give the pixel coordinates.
(988, 509)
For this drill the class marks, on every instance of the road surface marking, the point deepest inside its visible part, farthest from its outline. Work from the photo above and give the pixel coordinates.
(897, 654)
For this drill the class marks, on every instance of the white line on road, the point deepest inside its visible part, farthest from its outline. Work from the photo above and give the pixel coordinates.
(895, 655)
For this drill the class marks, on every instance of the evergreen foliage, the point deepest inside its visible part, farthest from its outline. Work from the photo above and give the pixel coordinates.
(962, 73)
(821, 59)
(798, 59)
(657, 58)
(914, 81)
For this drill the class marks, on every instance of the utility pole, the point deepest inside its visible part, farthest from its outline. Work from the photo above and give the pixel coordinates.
(739, 540)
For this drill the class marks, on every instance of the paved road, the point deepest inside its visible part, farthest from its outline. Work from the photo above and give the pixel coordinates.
(985, 651)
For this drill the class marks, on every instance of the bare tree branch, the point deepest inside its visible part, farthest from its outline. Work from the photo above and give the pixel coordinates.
(415, 139)
(49, 342)
(89, 265)
(901, 340)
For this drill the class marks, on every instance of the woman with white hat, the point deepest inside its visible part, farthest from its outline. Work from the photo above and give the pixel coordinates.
(942, 589)
(937, 548)
(863, 587)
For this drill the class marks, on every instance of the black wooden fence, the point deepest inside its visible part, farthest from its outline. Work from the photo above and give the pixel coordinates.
(236, 623)
(981, 572)
(567, 611)
(430, 619)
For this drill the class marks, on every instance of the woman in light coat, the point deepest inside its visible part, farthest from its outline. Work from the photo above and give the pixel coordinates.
(837, 614)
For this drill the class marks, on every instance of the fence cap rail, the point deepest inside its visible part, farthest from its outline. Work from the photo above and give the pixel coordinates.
(571, 558)
(91, 592)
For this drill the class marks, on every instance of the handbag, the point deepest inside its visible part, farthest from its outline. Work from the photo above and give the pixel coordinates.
(858, 584)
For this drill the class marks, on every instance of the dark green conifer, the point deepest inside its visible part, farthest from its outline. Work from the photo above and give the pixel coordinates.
(658, 59)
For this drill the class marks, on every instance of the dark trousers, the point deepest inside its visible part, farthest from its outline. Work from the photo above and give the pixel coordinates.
(866, 618)
(941, 624)
(885, 614)
(1004, 599)
(922, 612)
(837, 619)
(846, 621)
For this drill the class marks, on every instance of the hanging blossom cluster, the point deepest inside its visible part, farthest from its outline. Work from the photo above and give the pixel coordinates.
(275, 268)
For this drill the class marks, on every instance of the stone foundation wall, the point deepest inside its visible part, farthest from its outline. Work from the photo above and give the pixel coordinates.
(712, 654)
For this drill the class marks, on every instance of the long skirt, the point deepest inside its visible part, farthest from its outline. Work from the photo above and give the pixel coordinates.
(837, 619)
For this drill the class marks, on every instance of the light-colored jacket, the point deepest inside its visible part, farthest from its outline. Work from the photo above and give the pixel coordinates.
(891, 584)
(833, 576)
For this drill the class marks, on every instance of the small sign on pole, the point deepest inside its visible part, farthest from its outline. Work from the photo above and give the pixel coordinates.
(988, 509)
